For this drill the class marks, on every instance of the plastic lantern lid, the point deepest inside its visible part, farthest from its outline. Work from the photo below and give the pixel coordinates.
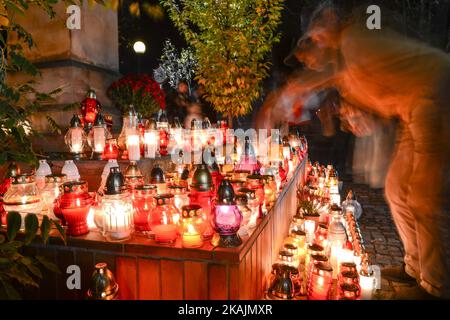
(133, 170)
(75, 122)
(99, 120)
(91, 94)
(163, 199)
(56, 178)
(23, 178)
(13, 170)
(115, 183)
(103, 286)
(225, 193)
(157, 175)
(191, 211)
(202, 180)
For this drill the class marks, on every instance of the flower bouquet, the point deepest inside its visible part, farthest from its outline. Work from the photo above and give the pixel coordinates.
(139, 90)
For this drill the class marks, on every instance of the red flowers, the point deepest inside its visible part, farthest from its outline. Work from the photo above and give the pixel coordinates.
(139, 90)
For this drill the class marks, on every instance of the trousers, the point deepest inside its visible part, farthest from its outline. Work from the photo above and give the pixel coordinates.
(416, 193)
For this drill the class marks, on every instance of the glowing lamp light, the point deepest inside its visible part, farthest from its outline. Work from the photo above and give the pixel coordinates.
(310, 228)
(226, 217)
(143, 202)
(97, 137)
(133, 146)
(111, 150)
(75, 204)
(164, 219)
(192, 226)
(23, 197)
(150, 140)
(320, 281)
(75, 137)
(139, 47)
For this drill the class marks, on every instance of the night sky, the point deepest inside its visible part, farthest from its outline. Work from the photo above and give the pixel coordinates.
(154, 33)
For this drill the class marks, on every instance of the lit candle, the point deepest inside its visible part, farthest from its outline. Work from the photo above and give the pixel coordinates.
(191, 238)
(367, 284)
(99, 139)
(165, 233)
(335, 198)
(134, 152)
(345, 255)
(310, 228)
(150, 142)
(77, 141)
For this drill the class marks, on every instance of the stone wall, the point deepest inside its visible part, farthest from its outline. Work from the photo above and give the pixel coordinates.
(73, 60)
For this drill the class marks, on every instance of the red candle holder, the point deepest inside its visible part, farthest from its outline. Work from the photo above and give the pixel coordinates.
(75, 204)
(164, 219)
(90, 107)
(143, 203)
(111, 150)
(255, 182)
(348, 291)
(163, 142)
(320, 282)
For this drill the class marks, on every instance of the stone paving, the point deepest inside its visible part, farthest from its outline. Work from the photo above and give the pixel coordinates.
(382, 241)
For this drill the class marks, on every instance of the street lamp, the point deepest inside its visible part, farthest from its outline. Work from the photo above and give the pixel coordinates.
(139, 48)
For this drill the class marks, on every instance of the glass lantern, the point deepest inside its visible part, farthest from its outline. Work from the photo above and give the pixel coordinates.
(23, 197)
(255, 182)
(202, 189)
(97, 137)
(320, 281)
(129, 136)
(111, 150)
(52, 190)
(12, 170)
(248, 219)
(133, 176)
(116, 207)
(252, 203)
(162, 125)
(42, 171)
(150, 140)
(158, 178)
(143, 202)
(180, 195)
(226, 217)
(75, 203)
(75, 137)
(270, 190)
(106, 169)
(70, 170)
(90, 107)
(192, 226)
(164, 219)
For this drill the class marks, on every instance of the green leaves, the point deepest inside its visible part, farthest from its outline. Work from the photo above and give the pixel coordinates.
(31, 227)
(13, 221)
(232, 41)
(46, 225)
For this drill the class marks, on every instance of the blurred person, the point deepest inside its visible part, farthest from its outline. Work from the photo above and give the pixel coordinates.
(178, 100)
(386, 74)
(194, 112)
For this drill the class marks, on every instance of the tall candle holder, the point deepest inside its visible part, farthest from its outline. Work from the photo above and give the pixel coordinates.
(75, 204)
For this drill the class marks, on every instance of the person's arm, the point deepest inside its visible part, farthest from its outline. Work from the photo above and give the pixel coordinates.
(281, 105)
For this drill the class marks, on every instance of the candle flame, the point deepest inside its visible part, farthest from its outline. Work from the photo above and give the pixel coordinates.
(24, 199)
(78, 203)
(191, 229)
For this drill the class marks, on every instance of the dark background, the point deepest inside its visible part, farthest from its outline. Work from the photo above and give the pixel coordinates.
(426, 20)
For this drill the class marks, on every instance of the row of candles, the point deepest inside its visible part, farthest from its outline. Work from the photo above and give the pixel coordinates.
(324, 247)
(186, 203)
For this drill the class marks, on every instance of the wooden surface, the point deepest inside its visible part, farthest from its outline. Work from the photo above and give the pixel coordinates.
(147, 270)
